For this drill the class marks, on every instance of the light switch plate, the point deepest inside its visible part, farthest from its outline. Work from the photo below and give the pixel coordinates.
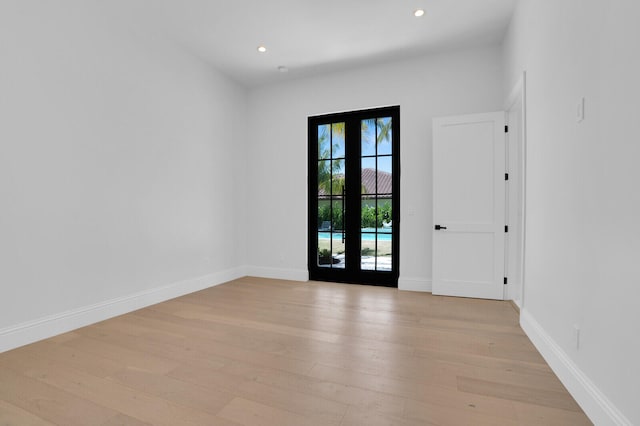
(580, 110)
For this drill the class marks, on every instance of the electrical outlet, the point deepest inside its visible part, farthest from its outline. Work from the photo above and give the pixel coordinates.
(576, 336)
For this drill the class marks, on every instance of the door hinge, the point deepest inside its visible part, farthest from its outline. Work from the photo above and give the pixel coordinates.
(505, 280)
(506, 129)
(506, 228)
(506, 176)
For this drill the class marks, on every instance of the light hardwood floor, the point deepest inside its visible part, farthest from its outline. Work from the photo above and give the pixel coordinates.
(269, 352)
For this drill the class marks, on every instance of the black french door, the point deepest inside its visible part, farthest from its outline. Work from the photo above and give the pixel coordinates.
(354, 197)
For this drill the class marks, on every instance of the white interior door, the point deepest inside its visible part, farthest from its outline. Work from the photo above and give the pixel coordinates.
(469, 205)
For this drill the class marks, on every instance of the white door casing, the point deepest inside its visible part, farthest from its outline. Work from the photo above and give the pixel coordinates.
(469, 205)
(515, 108)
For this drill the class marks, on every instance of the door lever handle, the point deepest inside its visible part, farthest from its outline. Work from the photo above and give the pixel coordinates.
(439, 227)
(343, 209)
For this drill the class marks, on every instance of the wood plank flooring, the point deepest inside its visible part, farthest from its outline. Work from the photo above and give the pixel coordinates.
(269, 352)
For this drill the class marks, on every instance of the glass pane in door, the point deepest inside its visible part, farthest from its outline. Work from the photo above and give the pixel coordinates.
(384, 137)
(330, 197)
(337, 140)
(368, 136)
(368, 251)
(324, 142)
(376, 219)
(384, 245)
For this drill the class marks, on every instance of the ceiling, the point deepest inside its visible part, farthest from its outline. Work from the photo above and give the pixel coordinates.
(311, 37)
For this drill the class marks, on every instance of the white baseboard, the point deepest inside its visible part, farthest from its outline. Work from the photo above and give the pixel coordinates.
(277, 273)
(414, 284)
(42, 328)
(517, 302)
(595, 404)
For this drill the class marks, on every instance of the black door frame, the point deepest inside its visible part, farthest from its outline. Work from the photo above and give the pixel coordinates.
(352, 273)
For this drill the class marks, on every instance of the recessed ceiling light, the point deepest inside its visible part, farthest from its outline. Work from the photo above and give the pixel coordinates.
(418, 13)
(262, 49)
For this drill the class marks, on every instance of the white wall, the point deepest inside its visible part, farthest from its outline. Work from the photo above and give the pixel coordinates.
(583, 198)
(117, 157)
(447, 84)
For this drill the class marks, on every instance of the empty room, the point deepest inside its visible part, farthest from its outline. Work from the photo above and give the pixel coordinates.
(294, 212)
